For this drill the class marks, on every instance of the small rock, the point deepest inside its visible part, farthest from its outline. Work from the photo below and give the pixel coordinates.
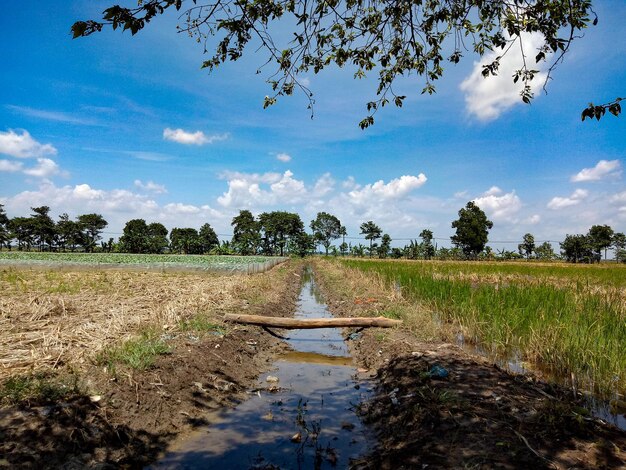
(95, 398)
(297, 437)
(272, 379)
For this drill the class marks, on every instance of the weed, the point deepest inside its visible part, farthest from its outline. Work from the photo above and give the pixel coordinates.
(137, 353)
(201, 323)
(38, 387)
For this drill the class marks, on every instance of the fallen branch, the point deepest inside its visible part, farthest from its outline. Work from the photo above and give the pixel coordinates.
(310, 323)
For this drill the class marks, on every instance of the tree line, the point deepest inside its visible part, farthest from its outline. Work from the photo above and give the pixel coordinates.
(280, 233)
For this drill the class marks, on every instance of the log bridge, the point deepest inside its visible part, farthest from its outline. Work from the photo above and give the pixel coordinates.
(311, 323)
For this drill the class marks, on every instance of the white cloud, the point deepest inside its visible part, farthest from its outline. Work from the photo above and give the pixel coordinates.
(395, 189)
(191, 138)
(244, 190)
(497, 205)
(349, 183)
(461, 195)
(487, 98)
(151, 186)
(23, 146)
(533, 219)
(283, 157)
(603, 169)
(57, 116)
(324, 185)
(45, 168)
(574, 199)
(9, 166)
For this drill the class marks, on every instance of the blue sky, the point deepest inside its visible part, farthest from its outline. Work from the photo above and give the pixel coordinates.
(131, 127)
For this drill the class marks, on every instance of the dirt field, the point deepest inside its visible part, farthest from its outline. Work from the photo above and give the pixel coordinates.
(79, 403)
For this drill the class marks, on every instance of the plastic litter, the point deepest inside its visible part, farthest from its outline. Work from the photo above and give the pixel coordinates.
(438, 372)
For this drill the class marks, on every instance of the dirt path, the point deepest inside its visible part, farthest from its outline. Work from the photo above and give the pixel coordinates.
(438, 407)
(136, 414)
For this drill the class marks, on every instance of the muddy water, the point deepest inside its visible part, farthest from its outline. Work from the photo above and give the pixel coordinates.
(306, 419)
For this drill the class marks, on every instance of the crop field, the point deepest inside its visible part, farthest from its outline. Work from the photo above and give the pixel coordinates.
(567, 320)
(50, 318)
(163, 262)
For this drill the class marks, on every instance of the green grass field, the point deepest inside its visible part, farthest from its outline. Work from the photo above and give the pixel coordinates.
(567, 319)
(198, 262)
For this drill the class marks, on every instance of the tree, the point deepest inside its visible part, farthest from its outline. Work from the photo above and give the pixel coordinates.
(69, 233)
(326, 228)
(372, 232)
(601, 238)
(472, 230)
(207, 238)
(427, 248)
(545, 252)
(619, 245)
(22, 229)
(577, 249)
(384, 37)
(43, 227)
(4, 229)
(91, 225)
(385, 246)
(527, 247)
(278, 227)
(246, 233)
(185, 240)
(156, 238)
(135, 237)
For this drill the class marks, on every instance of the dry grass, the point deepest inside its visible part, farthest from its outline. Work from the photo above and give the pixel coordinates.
(368, 294)
(49, 319)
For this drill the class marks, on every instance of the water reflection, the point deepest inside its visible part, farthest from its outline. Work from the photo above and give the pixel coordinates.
(302, 417)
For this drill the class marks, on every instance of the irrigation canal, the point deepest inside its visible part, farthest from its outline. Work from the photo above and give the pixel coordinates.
(303, 417)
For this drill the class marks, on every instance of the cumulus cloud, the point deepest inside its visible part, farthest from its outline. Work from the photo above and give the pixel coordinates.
(603, 169)
(23, 145)
(244, 190)
(45, 168)
(324, 185)
(487, 98)
(9, 166)
(396, 188)
(574, 199)
(151, 186)
(497, 205)
(283, 157)
(191, 138)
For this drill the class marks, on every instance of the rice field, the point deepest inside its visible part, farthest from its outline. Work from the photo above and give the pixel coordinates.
(569, 320)
(249, 264)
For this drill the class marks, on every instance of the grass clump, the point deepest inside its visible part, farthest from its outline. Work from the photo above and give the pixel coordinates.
(40, 388)
(137, 353)
(201, 324)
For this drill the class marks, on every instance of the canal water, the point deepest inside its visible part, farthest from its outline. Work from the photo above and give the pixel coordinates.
(301, 415)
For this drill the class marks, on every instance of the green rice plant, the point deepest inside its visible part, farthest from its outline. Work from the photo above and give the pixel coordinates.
(563, 327)
(137, 353)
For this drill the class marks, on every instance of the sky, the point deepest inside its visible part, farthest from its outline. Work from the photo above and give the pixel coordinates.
(132, 127)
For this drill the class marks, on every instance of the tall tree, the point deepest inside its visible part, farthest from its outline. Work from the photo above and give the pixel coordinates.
(185, 240)
(385, 246)
(207, 238)
(4, 229)
(619, 245)
(69, 233)
(246, 233)
(428, 250)
(44, 228)
(91, 226)
(577, 249)
(135, 237)
(326, 228)
(278, 227)
(372, 232)
(545, 251)
(527, 247)
(385, 37)
(472, 230)
(156, 238)
(600, 237)
(22, 229)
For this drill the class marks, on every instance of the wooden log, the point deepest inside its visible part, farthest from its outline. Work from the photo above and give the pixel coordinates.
(310, 323)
